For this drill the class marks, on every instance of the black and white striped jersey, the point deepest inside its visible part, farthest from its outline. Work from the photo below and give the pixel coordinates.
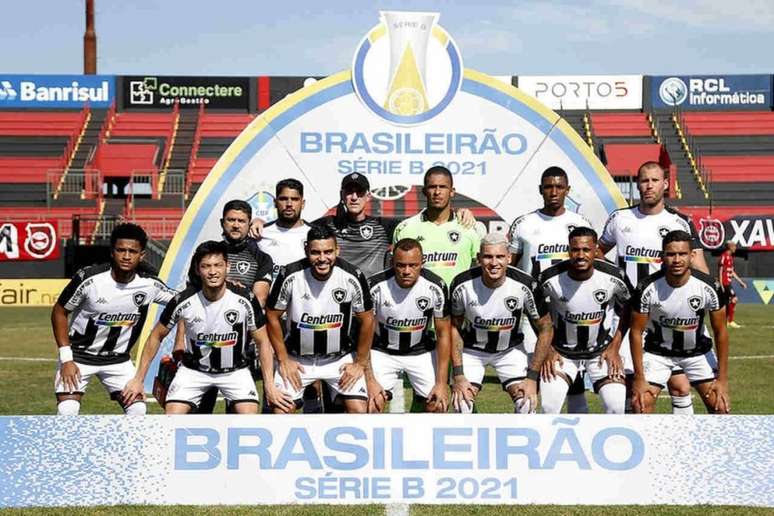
(637, 238)
(319, 313)
(247, 264)
(582, 311)
(107, 316)
(284, 245)
(541, 239)
(404, 316)
(363, 243)
(676, 314)
(492, 316)
(217, 333)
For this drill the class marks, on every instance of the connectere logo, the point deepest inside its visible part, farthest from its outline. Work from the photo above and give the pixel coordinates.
(6, 91)
(141, 92)
(673, 91)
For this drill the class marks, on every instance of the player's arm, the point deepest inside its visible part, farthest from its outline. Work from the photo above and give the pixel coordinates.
(256, 228)
(438, 398)
(289, 369)
(612, 355)
(274, 397)
(638, 322)
(352, 372)
(465, 218)
(720, 386)
(134, 389)
(462, 390)
(698, 261)
(735, 276)
(261, 291)
(543, 353)
(70, 374)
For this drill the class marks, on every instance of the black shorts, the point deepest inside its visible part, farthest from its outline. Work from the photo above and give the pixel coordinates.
(729, 292)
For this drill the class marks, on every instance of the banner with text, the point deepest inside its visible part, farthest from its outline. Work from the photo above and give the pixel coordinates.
(29, 241)
(56, 91)
(30, 292)
(419, 459)
(584, 91)
(752, 231)
(155, 91)
(711, 92)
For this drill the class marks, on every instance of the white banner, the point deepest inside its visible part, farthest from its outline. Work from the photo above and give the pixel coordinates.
(584, 91)
(415, 458)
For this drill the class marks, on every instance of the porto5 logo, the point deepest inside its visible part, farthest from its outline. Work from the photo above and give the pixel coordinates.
(41, 240)
(407, 69)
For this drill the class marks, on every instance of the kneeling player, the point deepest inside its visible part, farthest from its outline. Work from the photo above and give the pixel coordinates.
(582, 292)
(320, 295)
(110, 303)
(670, 307)
(220, 320)
(408, 301)
(487, 304)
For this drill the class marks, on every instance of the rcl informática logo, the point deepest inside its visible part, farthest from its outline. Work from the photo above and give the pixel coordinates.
(673, 91)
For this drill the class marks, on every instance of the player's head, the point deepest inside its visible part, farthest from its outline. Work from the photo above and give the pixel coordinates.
(676, 253)
(321, 250)
(355, 193)
(554, 187)
(236, 220)
(407, 261)
(438, 187)
(652, 182)
(582, 248)
(731, 247)
(494, 256)
(209, 265)
(289, 200)
(127, 246)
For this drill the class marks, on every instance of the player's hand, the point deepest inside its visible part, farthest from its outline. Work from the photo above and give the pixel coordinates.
(236, 283)
(527, 390)
(132, 391)
(438, 399)
(722, 399)
(290, 371)
(465, 218)
(640, 389)
(462, 393)
(278, 399)
(256, 228)
(70, 376)
(551, 367)
(377, 397)
(350, 374)
(614, 364)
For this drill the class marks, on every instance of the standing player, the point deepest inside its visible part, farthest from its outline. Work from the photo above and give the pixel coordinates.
(636, 233)
(408, 301)
(582, 294)
(727, 273)
(487, 304)
(320, 294)
(110, 303)
(670, 307)
(538, 240)
(220, 320)
(283, 239)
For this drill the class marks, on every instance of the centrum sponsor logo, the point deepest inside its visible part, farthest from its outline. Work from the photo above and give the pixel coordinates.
(114, 320)
(552, 252)
(584, 318)
(321, 322)
(494, 323)
(439, 259)
(642, 255)
(406, 325)
(679, 323)
(216, 340)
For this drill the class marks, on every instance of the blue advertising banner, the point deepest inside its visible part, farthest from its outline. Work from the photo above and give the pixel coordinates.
(56, 91)
(711, 92)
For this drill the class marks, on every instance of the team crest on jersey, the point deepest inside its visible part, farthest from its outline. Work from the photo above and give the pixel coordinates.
(694, 302)
(366, 232)
(663, 230)
(454, 236)
(570, 228)
(423, 303)
(243, 267)
(339, 294)
(600, 296)
(139, 298)
(231, 316)
(511, 303)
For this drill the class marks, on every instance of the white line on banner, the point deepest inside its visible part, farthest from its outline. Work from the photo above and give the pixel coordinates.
(397, 406)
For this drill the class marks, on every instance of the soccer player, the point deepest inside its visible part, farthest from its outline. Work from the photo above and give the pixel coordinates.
(582, 293)
(726, 274)
(670, 307)
(283, 239)
(220, 319)
(538, 240)
(487, 304)
(449, 247)
(320, 295)
(408, 301)
(636, 233)
(109, 304)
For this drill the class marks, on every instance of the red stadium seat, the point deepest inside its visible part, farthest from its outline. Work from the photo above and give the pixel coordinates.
(739, 169)
(620, 124)
(729, 123)
(624, 159)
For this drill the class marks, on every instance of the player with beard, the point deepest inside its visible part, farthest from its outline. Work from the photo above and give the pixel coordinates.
(669, 307)
(283, 239)
(538, 240)
(636, 233)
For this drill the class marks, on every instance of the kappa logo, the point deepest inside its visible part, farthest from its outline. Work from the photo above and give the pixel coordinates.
(663, 231)
(366, 232)
(243, 267)
(197, 319)
(695, 303)
(306, 297)
(423, 303)
(511, 303)
(454, 236)
(139, 298)
(626, 229)
(600, 296)
(102, 301)
(563, 299)
(252, 393)
(339, 295)
(231, 316)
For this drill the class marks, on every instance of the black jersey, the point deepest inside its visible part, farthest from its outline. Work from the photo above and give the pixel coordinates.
(247, 264)
(364, 244)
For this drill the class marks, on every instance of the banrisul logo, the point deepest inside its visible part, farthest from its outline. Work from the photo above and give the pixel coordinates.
(7, 91)
(407, 69)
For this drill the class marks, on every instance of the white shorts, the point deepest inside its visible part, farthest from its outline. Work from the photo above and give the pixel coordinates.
(510, 365)
(594, 369)
(324, 369)
(113, 376)
(190, 385)
(626, 357)
(420, 369)
(530, 337)
(698, 369)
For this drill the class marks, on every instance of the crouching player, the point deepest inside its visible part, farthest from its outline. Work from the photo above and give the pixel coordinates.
(220, 321)
(670, 307)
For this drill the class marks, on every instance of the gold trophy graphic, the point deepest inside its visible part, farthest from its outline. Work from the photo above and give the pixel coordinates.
(409, 33)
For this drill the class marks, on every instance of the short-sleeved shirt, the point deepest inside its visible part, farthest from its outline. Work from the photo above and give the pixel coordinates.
(637, 238)
(217, 333)
(676, 314)
(582, 311)
(364, 244)
(107, 316)
(541, 239)
(247, 264)
(284, 245)
(448, 249)
(492, 316)
(726, 268)
(319, 312)
(404, 316)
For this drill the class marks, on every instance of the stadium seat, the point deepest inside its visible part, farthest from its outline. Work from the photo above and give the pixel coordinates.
(624, 159)
(729, 123)
(748, 169)
(620, 124)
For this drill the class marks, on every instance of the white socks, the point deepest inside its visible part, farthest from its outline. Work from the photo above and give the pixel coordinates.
(682, 405)
(68, 408)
